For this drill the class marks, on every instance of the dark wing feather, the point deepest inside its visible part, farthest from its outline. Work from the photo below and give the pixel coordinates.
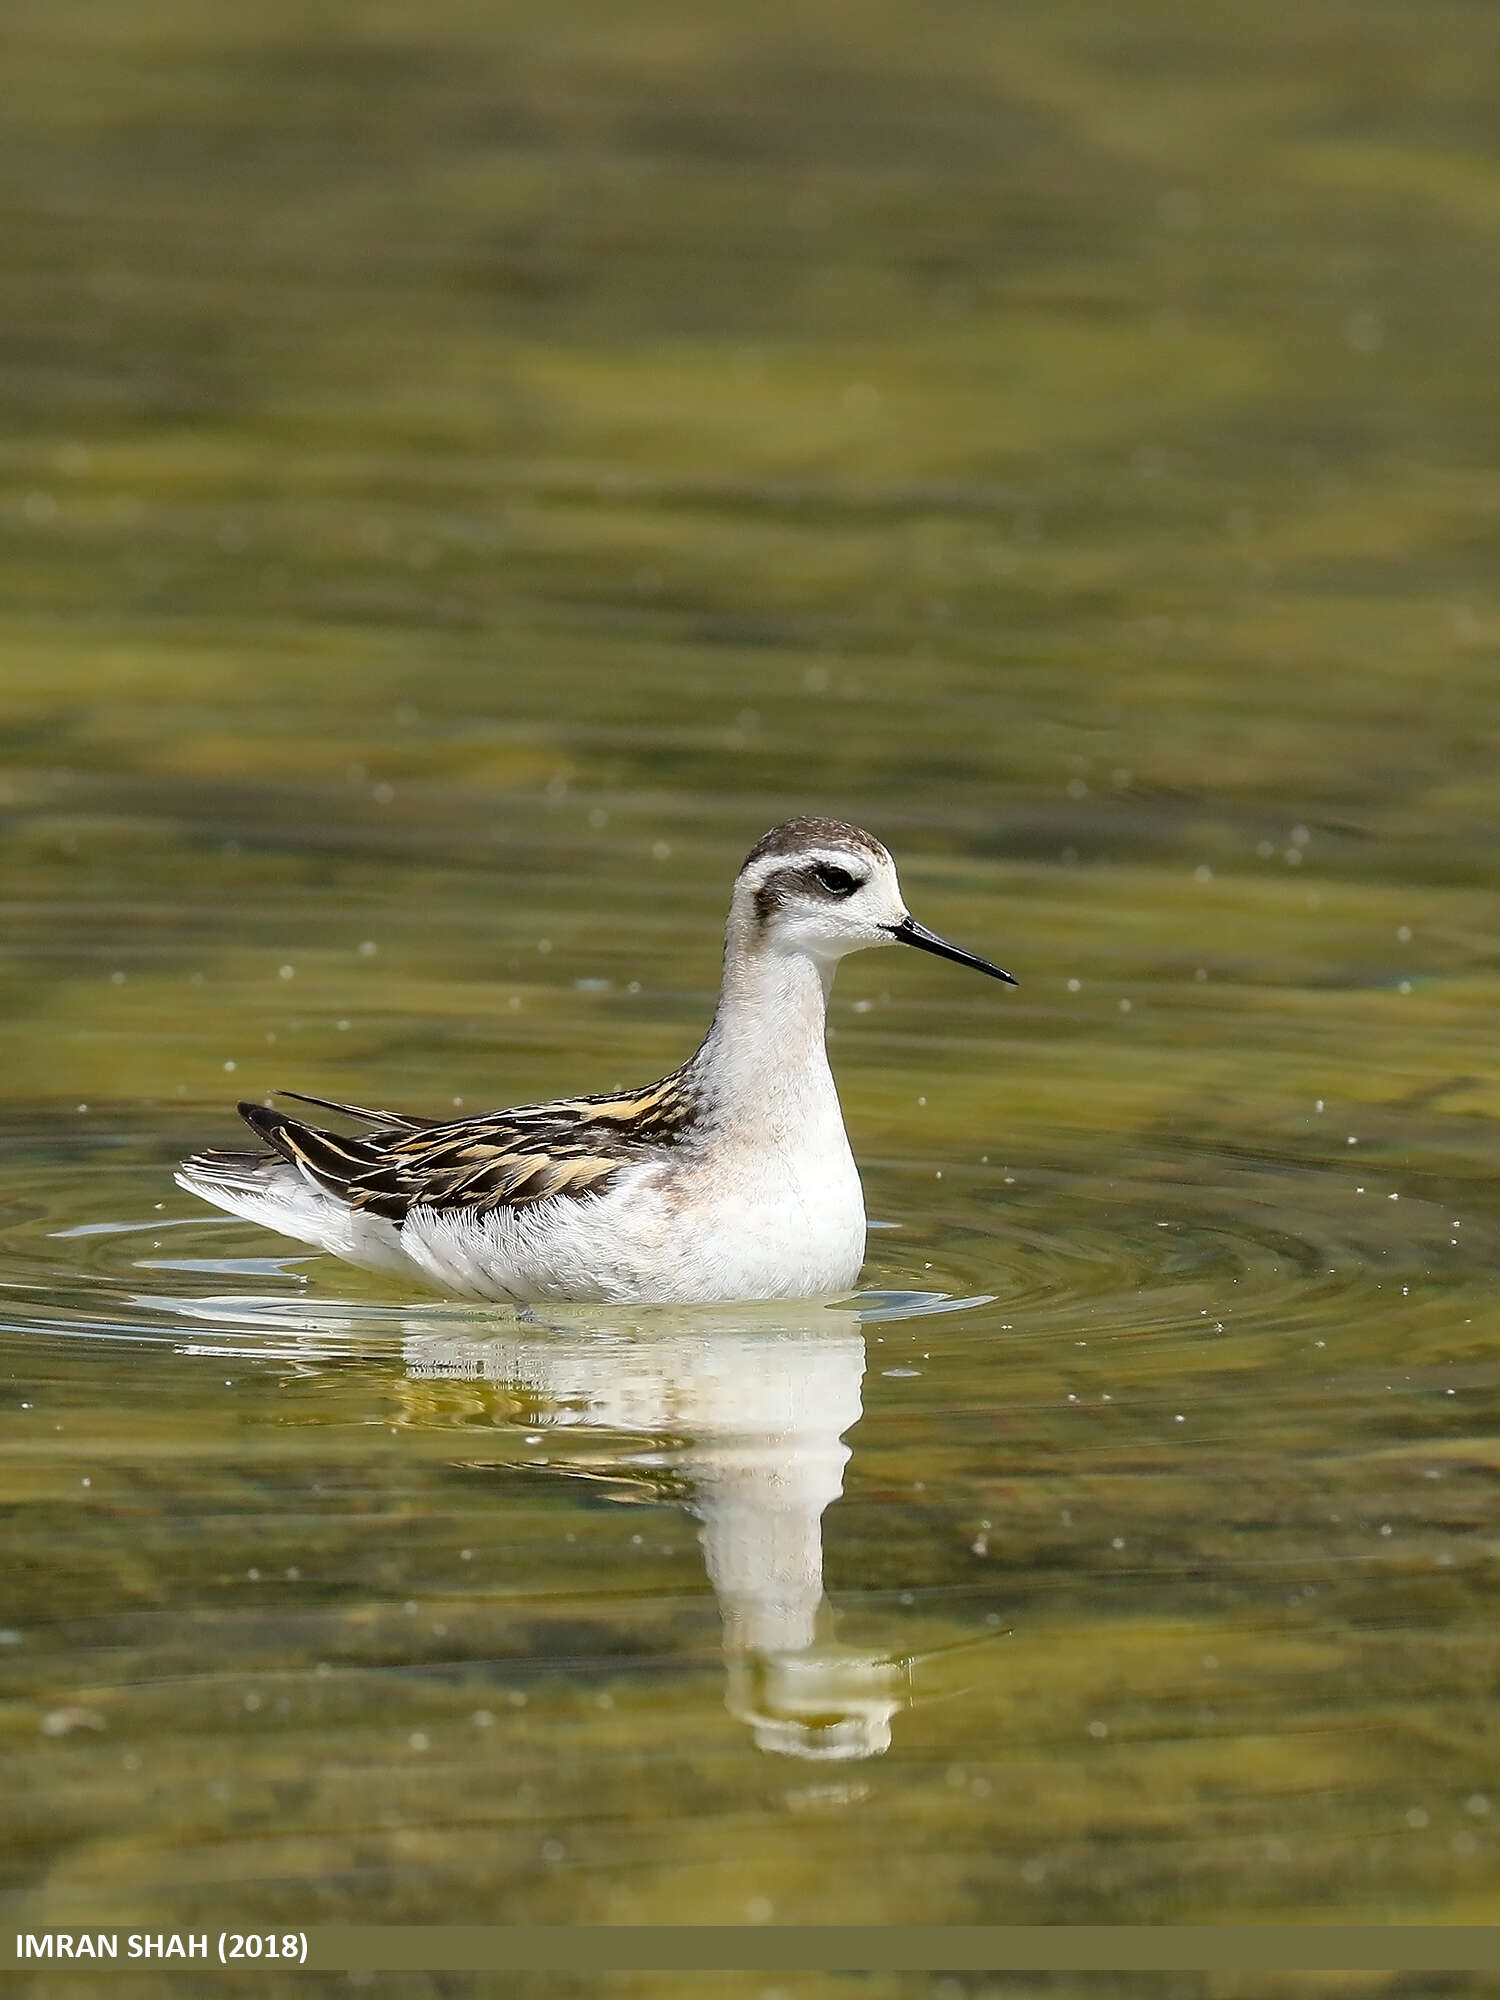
(503, 1159)
(396, 1121)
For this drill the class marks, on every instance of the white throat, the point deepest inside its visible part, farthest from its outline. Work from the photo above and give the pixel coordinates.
(763, 1066)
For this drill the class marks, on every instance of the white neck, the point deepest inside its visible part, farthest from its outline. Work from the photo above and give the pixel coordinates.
(763, 1067)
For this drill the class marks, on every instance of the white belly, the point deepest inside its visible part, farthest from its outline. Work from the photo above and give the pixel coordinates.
(674, 1233)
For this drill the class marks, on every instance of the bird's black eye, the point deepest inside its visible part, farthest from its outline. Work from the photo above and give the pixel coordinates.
(837, 881)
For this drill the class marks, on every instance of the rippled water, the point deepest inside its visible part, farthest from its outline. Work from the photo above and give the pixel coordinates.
(461, 483)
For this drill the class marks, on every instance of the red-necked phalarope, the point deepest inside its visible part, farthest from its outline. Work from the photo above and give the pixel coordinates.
(730, 1179)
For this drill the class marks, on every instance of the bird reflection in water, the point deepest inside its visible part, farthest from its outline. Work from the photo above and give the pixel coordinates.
(744, 1411)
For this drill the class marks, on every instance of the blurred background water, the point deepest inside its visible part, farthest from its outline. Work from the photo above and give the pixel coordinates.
(463, 475)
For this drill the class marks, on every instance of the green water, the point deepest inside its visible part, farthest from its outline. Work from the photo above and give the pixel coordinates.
(461, 479)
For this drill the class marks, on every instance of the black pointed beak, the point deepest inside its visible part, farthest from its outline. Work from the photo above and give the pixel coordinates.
(908, 931)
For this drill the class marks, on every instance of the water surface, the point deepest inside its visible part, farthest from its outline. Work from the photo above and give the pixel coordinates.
(461, 482)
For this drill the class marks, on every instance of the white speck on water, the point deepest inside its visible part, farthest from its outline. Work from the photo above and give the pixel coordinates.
(544, 945)
(1318, 1106)
(1416, 1819)
(483, 1718)
(514, 1003)
(1385, 1526)
(368, 948)
(1077, 788)
(1404, 987)
(921, 1100)
(230, 1068)
(902, 1374)
(759, 1910)
(661, 850)
(1124, 1006)
(1352, 1140)
(1075, 985)
(1099, 1730)
(1117, 1542)
(85, 1482)
(342, 1026)
(1393, 1197)
(1478, 1804)
(418, 1740)
(63, 1721)
(1403, 933)
(1364, 331)
(1203, 873)
(286, 972)
(1201, 974)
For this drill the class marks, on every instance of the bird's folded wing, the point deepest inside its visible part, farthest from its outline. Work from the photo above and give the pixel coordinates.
(505, 1159)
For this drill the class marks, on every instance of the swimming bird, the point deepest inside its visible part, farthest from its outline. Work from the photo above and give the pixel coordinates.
(729, 1179)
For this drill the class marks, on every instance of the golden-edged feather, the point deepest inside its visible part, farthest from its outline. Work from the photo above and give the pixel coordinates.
(501, 1159)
